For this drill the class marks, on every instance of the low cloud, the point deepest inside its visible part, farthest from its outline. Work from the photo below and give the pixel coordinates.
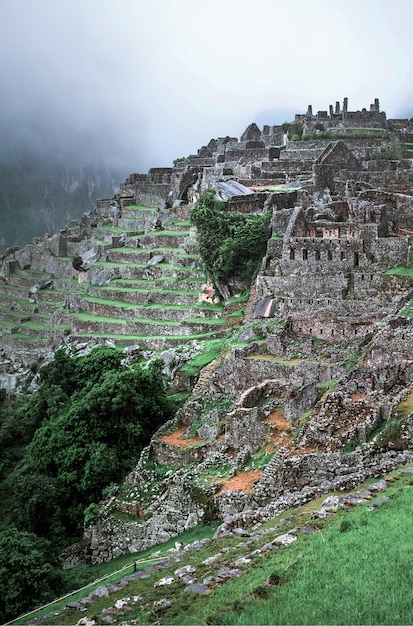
(140, 83)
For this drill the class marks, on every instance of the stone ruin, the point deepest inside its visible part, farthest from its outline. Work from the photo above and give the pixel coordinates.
(323, 310)
(344, 222)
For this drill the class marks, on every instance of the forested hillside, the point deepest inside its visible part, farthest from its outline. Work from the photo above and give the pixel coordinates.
(62, 447)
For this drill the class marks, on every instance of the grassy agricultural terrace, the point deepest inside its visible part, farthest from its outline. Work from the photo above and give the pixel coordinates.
(156, 304)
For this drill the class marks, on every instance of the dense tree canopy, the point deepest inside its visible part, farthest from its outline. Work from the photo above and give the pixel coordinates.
(231, 244)
(27, 577)
(81, 431)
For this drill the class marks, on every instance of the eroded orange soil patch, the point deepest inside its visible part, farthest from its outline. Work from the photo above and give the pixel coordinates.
(356, 397)
(175, 439)
(277, 418)
(244, 481)
(281, 430)
(282, 436)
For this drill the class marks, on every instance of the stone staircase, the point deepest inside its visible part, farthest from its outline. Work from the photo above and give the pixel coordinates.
(205, 376)
(271, 478)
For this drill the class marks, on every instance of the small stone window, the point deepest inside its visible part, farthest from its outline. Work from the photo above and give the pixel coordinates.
(317, 255)
(329, 255)
(305, 255)
(292, 254)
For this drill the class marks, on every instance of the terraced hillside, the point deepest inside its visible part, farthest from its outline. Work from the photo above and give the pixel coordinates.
(125, 278)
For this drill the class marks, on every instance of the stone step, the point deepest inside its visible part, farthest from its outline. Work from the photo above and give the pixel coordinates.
(127, 310)
(128, 255)
(15, 317)
(165, 239)
(205, 376)
(174, 256)
(15, 303)
(8, 327)
(14, 290)
(139, 271)
(142, 296)
(189, 282)
(86, 323)
(21, 284)
(149, 342)
(111, 234)
(273, 467)
(26, 348)
(135, 211)
(46, 301)
(36, 329)
(139, 222)
(50, 308)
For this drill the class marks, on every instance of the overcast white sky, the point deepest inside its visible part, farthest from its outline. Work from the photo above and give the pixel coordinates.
(152, 80)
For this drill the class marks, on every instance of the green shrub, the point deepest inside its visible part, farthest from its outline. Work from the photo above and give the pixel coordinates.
(178, 160)
(231, 244)
(91, 513)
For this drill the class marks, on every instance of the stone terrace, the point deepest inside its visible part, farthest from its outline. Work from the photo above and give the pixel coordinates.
(136, 284)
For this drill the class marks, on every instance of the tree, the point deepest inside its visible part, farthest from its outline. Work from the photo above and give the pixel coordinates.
(27, 578)
(60, 448)
(96, 438)
(231, 244)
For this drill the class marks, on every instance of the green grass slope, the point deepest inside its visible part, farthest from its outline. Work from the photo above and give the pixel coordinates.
(352, 566)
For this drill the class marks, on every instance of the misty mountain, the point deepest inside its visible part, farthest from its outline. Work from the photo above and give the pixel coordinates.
(40, 196)
(49, 178)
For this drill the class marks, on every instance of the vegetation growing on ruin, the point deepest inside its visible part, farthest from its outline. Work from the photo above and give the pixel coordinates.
(401, 270)
(209, 352)
(387, 150)
(231, 244)
(392, 429)
(407, 310)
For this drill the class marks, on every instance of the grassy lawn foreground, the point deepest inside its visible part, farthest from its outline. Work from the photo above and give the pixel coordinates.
(355, 570)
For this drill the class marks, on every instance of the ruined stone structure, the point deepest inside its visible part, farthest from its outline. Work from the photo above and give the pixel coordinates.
(340, 116)
(323, 352)
(338, 234)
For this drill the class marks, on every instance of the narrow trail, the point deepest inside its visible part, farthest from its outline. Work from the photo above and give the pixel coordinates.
(88, 586)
